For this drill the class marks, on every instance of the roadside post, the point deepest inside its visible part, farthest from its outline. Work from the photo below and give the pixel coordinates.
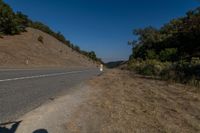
(101, 68)
(27, 61)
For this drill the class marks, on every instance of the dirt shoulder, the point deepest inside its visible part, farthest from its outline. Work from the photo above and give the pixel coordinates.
(52, 115)
(126, 103)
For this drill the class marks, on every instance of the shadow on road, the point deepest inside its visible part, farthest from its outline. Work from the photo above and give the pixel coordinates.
(40, 131)
(14, 126)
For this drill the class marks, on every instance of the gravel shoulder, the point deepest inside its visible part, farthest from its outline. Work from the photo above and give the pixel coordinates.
(52, 116)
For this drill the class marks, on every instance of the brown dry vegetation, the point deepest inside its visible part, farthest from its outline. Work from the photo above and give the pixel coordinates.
(15, 50)
(125, 103)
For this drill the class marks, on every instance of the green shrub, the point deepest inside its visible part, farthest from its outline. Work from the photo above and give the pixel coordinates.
(182, 71)
(188, 70)
(1, 35)
(195, 60)
(169, 54)
(147, 67)
(151, 54)
(149, 70)
(41, 39)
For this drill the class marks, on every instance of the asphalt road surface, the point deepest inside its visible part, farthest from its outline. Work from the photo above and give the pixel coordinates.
(23, 90)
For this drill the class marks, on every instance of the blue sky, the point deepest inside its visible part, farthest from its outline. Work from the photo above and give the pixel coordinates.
(104, 26)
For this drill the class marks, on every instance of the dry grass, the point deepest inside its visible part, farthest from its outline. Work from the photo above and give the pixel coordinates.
(126, 104)
(15, 50)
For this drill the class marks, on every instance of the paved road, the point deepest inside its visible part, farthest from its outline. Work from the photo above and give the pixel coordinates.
(23, 90)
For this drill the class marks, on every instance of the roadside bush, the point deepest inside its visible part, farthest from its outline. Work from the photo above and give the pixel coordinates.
(151, 54)
(169, 54)
(183, 71)
(188, 70)
(148, 67)
(41, 39)
(1, 35)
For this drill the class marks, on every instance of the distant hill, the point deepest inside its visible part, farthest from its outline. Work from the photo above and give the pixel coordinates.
(115, 64)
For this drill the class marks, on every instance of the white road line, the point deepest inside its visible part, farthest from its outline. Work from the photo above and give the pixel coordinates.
(2, 70)
(42, 76)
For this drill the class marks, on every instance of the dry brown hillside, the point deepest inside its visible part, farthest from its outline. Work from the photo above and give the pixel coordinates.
(16, 50)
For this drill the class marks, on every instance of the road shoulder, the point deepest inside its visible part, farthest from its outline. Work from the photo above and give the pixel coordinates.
(53, 115)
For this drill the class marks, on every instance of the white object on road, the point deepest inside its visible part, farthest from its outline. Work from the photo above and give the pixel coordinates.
(101, 67)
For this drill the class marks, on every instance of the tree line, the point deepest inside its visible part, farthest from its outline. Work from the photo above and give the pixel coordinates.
(12, 23)
(174, 48)
(178, 39)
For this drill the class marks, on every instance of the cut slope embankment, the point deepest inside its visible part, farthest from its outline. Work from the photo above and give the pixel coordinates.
(26, 51)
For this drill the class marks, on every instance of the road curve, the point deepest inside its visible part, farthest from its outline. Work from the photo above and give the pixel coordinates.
(23, 90)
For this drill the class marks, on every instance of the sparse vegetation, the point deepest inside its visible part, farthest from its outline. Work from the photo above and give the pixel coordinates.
(1, 35)
(41, 39)
(171, 52)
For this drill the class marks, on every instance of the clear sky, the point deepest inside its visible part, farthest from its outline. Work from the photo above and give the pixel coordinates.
(104, 26)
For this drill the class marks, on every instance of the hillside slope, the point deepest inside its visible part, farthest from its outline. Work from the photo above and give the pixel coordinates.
(26, 51)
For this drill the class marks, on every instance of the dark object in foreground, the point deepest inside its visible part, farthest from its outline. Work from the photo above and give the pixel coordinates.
(40, 131)
(13, 128)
